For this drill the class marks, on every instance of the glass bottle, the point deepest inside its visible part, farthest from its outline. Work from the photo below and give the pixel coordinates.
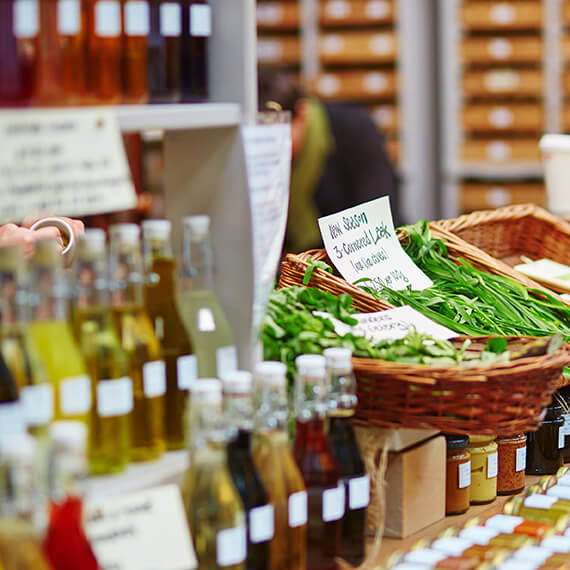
(457, 475)
(278, 471)
(213, 506)
(160, 305)
(260, 515)
(164, 48)
(543, 455)
(51, 336)
(146, 367)
(198, 305)
(512, 464)
(107, 364)
(196, 31)
(318, 465)
(484, 469)
(136, 20)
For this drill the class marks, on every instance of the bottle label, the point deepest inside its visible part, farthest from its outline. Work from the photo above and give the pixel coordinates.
(205, 320)
(200, 21)
(560, 544)
(11, 420)
(425, 557)
(520, 459)
(452, 545)
(231, 546)
(333, 504)
(68, 17)
(114, 397)
(108, 19)
(504, 523)
(479, 534)
(187, 371)
(26, 23)
(358, 492)
(492, 465)
(464, 474)
(137, 18)
(540, 501)
(559, 491)
(562, 434)
(38, 404)
(170, 20)
(261, 524)
(564, 480)
(298, 509)
(75, 395)
(530, 554)
(154, 379)
(226, 360)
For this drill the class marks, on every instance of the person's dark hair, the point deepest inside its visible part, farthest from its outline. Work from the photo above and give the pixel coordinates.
(279, 87)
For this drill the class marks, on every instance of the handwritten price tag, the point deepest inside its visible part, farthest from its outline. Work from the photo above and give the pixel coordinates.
(362, 244)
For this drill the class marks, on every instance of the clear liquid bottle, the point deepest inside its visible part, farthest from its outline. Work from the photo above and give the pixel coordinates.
(50, 334)
(213, 506)
(278, 470)
(138, 340)
(318, 465)
(342, 403)
(107, 364)
(260, 514)
(160, 305)
(198, 305)
(136, 27)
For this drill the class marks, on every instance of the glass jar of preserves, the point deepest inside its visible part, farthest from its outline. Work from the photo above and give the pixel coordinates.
(543, 455)
(512, 464)
(457, 475)
(484, 468)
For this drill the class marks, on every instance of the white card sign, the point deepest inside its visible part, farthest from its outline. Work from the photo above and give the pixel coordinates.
(64, 162)
(362, 244)
(141, 531)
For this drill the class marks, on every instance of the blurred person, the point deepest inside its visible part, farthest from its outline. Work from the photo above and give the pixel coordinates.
(339, 160)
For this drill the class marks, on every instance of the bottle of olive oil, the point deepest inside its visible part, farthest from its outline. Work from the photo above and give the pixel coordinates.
(213, 506)
(50, 334)
(146, 367)
(278, 470)
(198, 305)
(160, 305)
(107, 364)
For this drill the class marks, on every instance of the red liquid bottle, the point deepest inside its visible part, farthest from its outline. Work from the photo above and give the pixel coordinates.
(318, 465)
(136, 25)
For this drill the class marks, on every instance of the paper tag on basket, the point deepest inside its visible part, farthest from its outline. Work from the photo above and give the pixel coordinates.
(362, 244)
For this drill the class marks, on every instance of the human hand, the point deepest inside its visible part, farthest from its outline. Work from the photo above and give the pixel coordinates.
(77, 226)
(11, 234)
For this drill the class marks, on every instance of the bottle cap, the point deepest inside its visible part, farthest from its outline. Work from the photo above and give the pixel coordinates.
(198, 225)
(206, 390)
(237, 382)
(93, 238)
(128, 233)
(271, 372)
(311, 364)
(69, 435)
(159, 229)
(338, 356)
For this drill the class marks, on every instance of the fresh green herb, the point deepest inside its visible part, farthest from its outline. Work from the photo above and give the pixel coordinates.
(312, 266)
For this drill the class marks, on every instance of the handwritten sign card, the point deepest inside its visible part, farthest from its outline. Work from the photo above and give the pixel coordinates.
(362, 243)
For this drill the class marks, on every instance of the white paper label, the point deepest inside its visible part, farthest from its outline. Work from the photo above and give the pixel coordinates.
(154, 378)
(562, 433)
(269, 50)
(375, 82)
(517, 565)
(362, 243)
(75, 395)
(226, 360)
(123, 531)
(564, 480)
(231, 546)
(200, 20)
(26, 23)
(205, 321)
(108, 19)
(114, 397)
(520, 459)
(498, 81)
(381, 44)
(332, 44)
(425, 556)
(479, 534)
(452, 545)
(532, 553)
(559, 491)
(498, 197)
(377, 9)
(499, 151)
(492, 465)
(540, 501)
(464, 470)
(337, 9)
(187, 371)
(170, 20)
(358, 492)
(557, 544)
(504, 523)
(500, 48)
(502, 13)
(333, 504)
(269, 13)
(298, 509)
(328, 85)
(38, 402)
(11, 420)
(261, 524)
(501, 117)
(137, 18)
(68, 17)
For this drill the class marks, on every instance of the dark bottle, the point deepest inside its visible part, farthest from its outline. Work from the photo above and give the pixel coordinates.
(260, 514)
(196, 30)
(342, 403)
(136, 26)
(318, 465)
(543, 455)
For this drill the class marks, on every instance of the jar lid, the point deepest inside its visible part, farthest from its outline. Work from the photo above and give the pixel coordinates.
(457, 441)
(481, 439)
(553, 411)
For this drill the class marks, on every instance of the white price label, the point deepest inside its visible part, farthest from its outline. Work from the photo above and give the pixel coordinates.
(333, 503)
(108, 19)
(114, 397)
(492, 465)
(479, 534)
(231, 546)
(298, 509)
(452, 545)
(205, 320)
(358, 492)
(560, 544)
(540, 501)
(464, 476)
(11, 420)
(381, 44)
(200, 20)
(337, 9)
(137, 18)
(170, 20)
(504, 523)
(26, 22)
(261, 524)
(226, 360)
(377, 9)
(502, 13)
(564, 480)
(269, 50)
(532, 554)
(562, 436)
(187, 371)
(154, 379)
(68, 17)
(559, 491)
(500, 48)
(520, 459)
(269, 14)
(38, 402)
(75, 395)
(425, 557)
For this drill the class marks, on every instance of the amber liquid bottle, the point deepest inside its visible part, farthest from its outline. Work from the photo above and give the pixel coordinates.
(318, 465)
(136, 25)
(160, 305)
(49, 88)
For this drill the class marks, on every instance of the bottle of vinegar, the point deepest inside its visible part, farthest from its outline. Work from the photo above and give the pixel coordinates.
(136, 19)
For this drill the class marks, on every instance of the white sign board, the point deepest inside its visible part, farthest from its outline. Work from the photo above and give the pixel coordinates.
(362, 244)
(62, 162)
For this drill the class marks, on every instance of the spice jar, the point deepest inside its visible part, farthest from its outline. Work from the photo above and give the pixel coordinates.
(512, 464)
(543, 455)
(457, 475)
(484, 468)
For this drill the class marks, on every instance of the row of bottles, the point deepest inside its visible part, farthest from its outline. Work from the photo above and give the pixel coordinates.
(83, 52)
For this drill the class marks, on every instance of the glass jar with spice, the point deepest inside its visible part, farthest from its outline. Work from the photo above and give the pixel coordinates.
(484, 468)
(457, 475)
(512, 464)
(543, 455)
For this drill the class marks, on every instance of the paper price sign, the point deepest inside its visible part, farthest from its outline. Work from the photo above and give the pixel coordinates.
(362, 244)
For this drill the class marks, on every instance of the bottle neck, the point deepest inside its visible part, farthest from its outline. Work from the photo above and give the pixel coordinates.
(206, 425)
(342, 398)
(272, 407)
(238, 413)
(49, 293)
(126, 274)
(198, 267)
(14, 308)
(310, 397)
(160, 265)
(91, 283)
